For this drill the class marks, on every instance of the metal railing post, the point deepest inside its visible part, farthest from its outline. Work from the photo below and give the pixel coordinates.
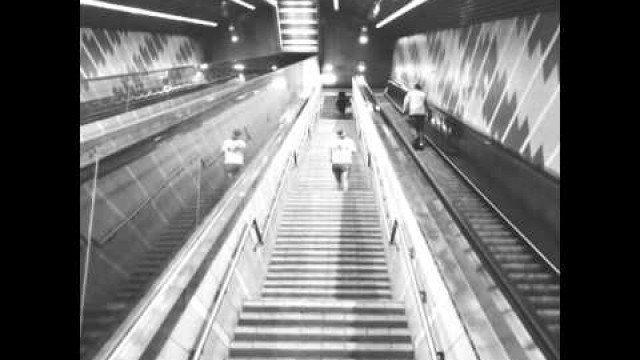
(89, 242)
(198, 186)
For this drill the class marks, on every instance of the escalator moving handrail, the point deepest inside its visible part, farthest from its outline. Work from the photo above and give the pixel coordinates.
(486, 199)
(512, 296)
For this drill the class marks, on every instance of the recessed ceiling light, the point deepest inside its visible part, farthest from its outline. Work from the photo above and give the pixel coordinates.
(396, 14)
(143, 12)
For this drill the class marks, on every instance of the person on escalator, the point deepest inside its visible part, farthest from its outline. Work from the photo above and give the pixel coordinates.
(342, 150)
(233, 149)
(415, 104)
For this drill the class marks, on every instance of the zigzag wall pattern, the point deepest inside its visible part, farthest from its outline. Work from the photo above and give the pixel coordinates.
(502, 78)
(113, 52)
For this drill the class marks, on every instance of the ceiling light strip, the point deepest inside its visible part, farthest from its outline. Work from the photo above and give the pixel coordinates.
(248, 6)
(143, 12)
(403, 10)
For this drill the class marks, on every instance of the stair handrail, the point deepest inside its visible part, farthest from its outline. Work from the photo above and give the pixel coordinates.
(312, 108)
(386, 206)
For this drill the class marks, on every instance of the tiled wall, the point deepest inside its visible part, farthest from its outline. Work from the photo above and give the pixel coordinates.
(112, 52)
(500, 77)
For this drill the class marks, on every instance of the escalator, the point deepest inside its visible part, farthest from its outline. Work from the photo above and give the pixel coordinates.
(528, 279)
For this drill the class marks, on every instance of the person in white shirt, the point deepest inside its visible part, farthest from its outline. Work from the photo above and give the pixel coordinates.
(342, 150)
(415, 103)
(233, 154)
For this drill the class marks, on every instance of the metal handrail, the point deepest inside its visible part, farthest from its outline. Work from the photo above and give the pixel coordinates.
(384, 206)
(493, 207)
(395, 223)
(522, 309)
(222, 289)
(291, 163)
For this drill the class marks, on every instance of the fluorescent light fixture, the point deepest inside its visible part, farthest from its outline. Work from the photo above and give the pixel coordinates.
(336, 5)
(143, 12)
(396, 14)
(376, 9)
(363, 39)
(238, 67)
(248, 6)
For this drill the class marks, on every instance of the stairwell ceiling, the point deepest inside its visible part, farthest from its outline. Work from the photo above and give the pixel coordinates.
(437, 14)
(223, 12)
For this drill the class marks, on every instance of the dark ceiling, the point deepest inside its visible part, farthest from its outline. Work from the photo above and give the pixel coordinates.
(432, 15)
(223, 12)
(437, 14)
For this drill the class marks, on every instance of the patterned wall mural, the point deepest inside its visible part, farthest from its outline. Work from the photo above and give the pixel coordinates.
(501, 78)
(112, 52)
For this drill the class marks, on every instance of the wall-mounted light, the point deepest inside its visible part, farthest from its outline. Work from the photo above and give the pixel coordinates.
(274, 68)
(204, 66)
(336, 5)
(327, 68)
(238, 67)
(234, 38)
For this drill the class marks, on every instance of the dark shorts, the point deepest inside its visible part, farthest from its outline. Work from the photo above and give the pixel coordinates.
(417, 121)
(338, 169)
(232, 169)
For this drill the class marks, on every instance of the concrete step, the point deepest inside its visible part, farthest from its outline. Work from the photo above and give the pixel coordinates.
(326, 293)
(377, 252)
(328, 275)
(342, 234)
(324, 350)
(316, 334)
(310, 260)
(327, 267)
(345, 306)
(284, 246)
(322, 319)
(334, 284)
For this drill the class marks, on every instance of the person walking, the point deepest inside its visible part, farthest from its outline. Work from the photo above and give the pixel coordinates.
(342, 102)
(233, 149)
(342, 149)
(415, 104)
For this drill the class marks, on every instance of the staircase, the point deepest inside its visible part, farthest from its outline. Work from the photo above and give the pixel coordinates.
(101, 320)
(327, 292)
(298, 22)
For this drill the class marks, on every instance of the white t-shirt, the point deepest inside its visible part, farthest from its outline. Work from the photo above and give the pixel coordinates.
(341, 151)
(415, 99)
(233, 151)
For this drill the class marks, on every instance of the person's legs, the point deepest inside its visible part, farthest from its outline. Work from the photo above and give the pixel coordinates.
(337, 173)
(345, 180)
